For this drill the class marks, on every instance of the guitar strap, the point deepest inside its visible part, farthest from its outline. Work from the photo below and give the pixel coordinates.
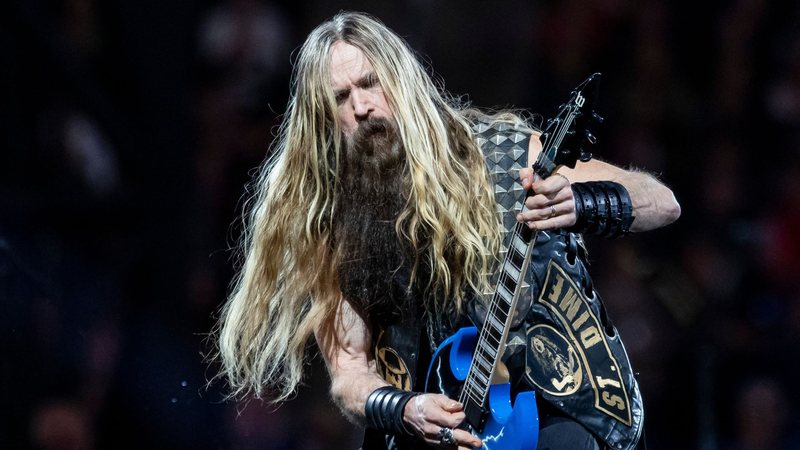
(505, 150)
(562, 343)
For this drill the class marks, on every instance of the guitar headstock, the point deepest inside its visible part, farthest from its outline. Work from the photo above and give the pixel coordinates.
(567, 136)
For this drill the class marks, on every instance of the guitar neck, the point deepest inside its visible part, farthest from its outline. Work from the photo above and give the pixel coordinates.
(493, 335)
(562, 145)
(494, 332)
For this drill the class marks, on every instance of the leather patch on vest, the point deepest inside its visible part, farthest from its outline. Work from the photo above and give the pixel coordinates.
(556, 367)
(391, 366)
(585, 337)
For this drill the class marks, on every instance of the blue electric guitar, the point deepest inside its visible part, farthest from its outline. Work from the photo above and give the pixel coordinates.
(463, 365)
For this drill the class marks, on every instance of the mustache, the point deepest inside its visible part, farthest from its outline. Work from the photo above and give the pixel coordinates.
(372, 126)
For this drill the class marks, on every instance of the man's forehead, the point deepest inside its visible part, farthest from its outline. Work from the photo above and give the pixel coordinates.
(347, 63)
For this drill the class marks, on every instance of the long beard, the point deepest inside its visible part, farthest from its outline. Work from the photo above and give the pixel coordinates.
(372, 191)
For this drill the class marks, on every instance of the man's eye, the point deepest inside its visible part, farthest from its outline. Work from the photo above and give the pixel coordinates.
(340, 97)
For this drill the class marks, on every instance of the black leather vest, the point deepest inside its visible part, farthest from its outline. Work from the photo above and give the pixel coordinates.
(562, 343)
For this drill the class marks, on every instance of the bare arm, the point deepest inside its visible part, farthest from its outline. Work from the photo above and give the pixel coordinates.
(352, 370)
(354, 376)
(654, 204)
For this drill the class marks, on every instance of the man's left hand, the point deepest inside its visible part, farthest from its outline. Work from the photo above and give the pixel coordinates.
(552, 204)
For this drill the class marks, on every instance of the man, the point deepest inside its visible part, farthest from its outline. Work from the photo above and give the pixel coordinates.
(375, 228)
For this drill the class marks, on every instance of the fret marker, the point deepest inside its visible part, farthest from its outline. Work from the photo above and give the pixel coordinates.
(502, 291)
(519, 245)
(511, 270)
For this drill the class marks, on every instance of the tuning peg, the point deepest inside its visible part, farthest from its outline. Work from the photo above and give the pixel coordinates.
(597, 117)
(585, 156)
(544, 137)
(590, 138)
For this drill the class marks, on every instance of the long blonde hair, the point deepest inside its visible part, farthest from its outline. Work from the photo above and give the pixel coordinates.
(287, 287)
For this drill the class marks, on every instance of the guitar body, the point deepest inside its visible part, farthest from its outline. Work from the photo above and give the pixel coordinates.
(508, 426)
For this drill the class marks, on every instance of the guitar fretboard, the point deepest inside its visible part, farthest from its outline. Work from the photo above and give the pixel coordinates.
(494, 332)
(493, 335)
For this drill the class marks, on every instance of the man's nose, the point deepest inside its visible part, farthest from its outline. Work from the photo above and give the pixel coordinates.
(362, 104)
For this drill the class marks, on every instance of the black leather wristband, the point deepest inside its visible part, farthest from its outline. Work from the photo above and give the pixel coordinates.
(601, 219)
(603, 208)
(585, 206)
(625, 215)
(614, 214)
(384, 409)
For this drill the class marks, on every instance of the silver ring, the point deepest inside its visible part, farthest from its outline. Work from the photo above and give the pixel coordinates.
(446, 436)
(552, 211)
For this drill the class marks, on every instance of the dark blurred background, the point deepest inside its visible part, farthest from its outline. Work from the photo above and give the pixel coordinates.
(128, 130)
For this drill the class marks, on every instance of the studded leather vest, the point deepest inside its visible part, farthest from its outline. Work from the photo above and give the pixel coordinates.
(562, 344)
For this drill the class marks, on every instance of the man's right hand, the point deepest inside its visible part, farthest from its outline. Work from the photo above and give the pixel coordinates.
(427, 414)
